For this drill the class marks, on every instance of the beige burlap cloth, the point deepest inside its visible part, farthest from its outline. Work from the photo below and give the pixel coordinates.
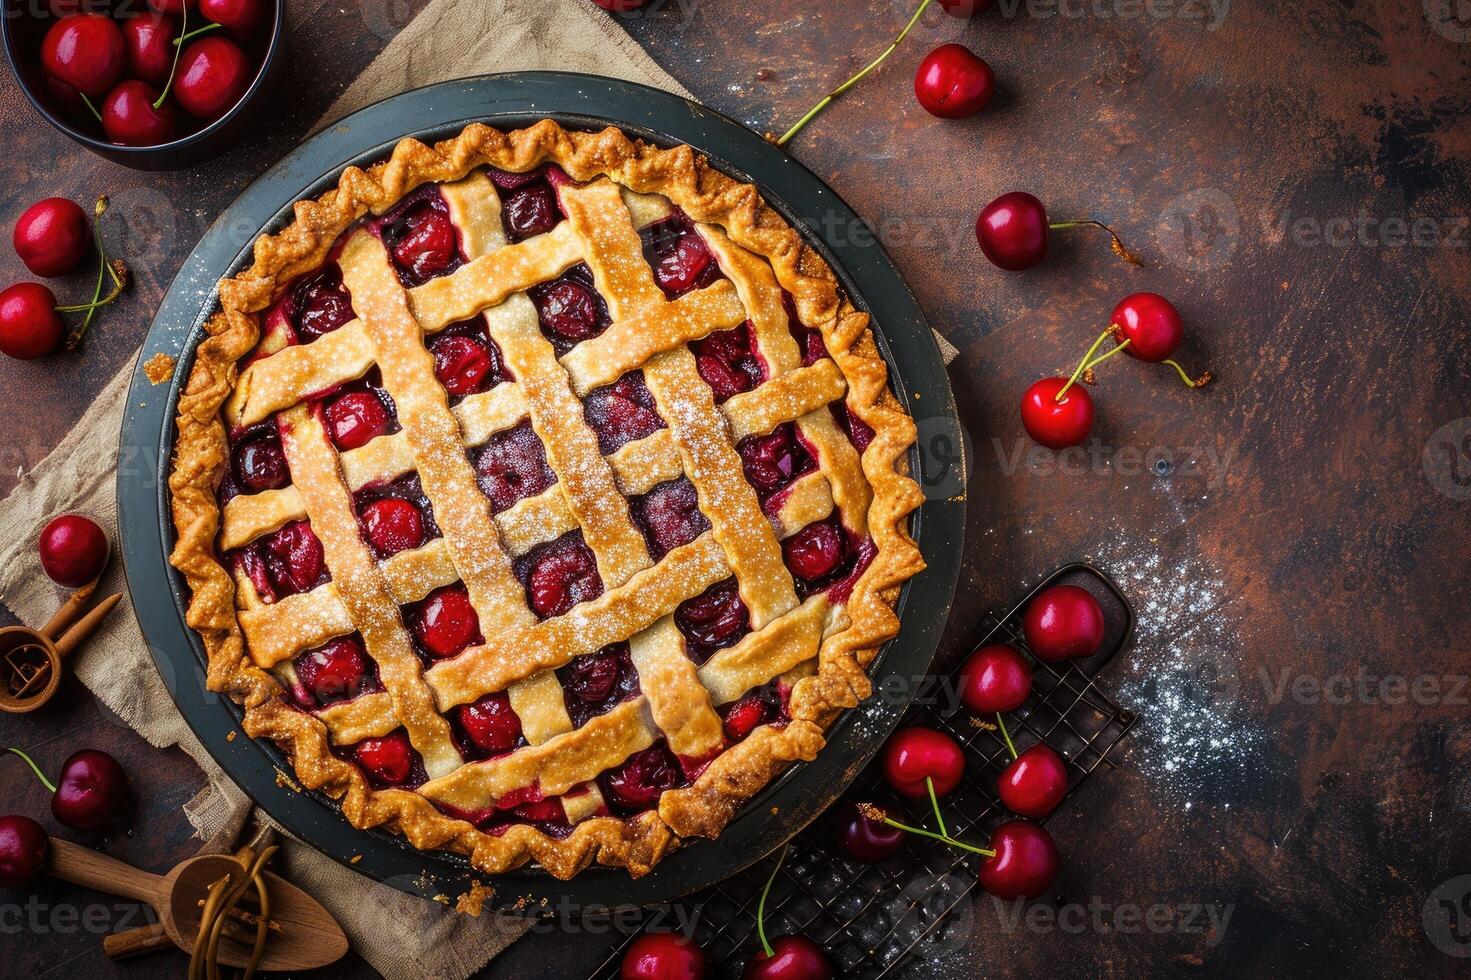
(401, 936)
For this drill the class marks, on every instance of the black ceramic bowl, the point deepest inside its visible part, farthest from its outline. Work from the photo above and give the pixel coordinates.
(24, 24)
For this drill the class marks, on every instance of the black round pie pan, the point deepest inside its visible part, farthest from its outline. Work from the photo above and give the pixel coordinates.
(508, 101)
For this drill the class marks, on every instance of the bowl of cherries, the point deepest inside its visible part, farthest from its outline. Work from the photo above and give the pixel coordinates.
(153, 85)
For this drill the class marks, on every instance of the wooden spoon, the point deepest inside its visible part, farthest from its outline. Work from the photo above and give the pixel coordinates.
(308, 938)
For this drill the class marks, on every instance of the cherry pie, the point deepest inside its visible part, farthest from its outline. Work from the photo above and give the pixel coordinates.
(541, 496)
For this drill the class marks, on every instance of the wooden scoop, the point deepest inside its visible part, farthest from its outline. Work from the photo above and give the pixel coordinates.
(308, 936)
(30, 660)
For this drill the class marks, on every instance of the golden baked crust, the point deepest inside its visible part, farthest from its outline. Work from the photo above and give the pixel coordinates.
(838, 680)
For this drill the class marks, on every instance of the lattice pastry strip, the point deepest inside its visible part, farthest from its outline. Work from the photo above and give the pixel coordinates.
(363, 590)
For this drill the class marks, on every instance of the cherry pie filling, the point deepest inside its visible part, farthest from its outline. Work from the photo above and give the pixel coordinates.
(467, 360)
(595, 683)
(444, 623)
(395, 516)
(421, 239)
(678, 256)
(570, 309)
(558, 575)
(511, 466)
(622, 412)
(358, 412)
(669, 516)
(338, 670)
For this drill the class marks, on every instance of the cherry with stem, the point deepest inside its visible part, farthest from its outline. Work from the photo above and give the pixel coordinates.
(836, 93)
(879, 815)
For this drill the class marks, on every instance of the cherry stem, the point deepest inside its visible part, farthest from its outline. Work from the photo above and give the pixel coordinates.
(91, 108)
(935, 802)
(939, 837)
(34, 768)
(761, 905)
(1005, 735)
(195, 33)
(1114, 242)
(1084, 364)
(178, 47)
(1199, 382)
(835, 93)
(117, 270)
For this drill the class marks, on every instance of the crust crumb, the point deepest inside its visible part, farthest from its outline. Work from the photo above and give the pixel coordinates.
(159, 368)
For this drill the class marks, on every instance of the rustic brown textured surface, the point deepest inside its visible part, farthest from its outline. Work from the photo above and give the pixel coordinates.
(1274, 167)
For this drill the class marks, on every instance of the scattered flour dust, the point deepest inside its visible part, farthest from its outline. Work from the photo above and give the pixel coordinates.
(1194, 739)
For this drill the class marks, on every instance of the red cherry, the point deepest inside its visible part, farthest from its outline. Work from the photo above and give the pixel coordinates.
(995, 678)
(389, 760)
(148, 39)
(562, 578)
(620, 6)
(568, 308)
(680, 265)
(92, 792)
(793, 958)
(1012, 231)
(51, 236)
(1025, 863)
(745, 716)
(446, 622)
(261, 465)
(392, 525)
(23, 847)
(213, 74)
(953, 83)
(862, 839)
(73, 550)
(85, 51)
(531, 211)
(298, 558)
(964, 8)
(240, 16)
(356, 419)
(425, 243)
(129, 118)
(815, 551)
(914, 754)
(638, 784)
(1034, 783)
(491, 723)
(1053, 423)
(335, 671)
(663, 956)
(461, 363)
(1150, 323)
(175, 7)
(1062, 623)
(29, 323)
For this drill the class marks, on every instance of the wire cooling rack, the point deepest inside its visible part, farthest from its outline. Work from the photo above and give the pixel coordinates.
(870, 917)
